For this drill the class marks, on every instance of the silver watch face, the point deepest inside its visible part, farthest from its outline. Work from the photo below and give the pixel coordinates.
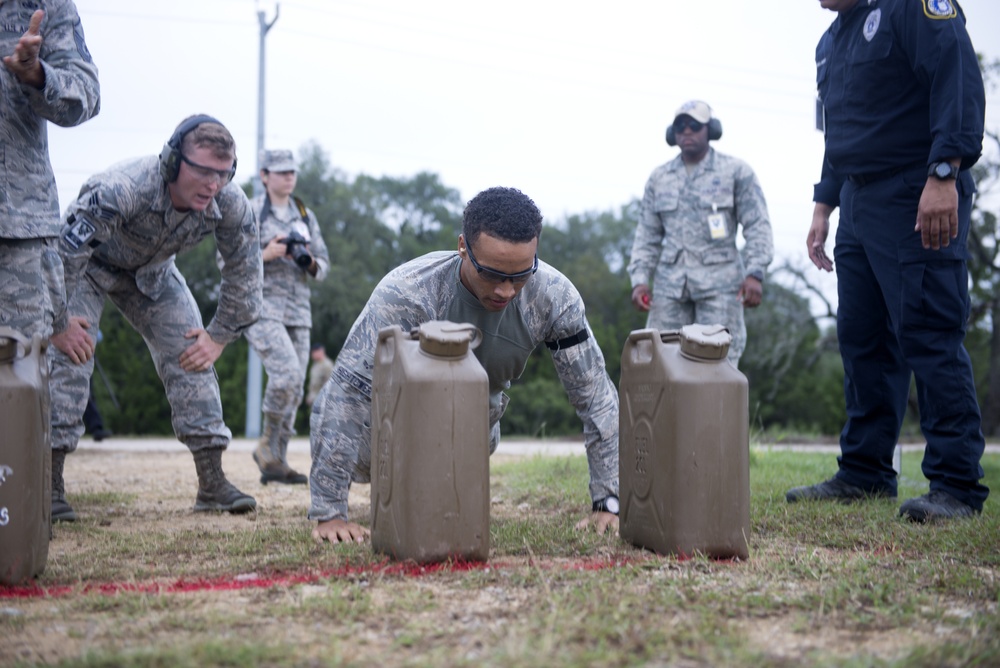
(611, 503)
(943, 170)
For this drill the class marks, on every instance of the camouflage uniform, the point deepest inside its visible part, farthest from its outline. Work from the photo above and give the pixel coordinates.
(118, 241)
(281, 336)
(548, 309)
(697, 278)
(31, 285)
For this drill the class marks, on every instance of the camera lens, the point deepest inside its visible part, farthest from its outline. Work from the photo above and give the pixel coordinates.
(301, 256)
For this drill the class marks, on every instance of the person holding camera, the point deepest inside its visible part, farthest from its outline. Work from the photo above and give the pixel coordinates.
(294, 254)
(686, 237)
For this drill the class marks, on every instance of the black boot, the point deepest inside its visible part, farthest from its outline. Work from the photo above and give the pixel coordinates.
(61, 510)
(214, 491)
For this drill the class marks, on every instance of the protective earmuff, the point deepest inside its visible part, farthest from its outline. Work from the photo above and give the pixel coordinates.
(714, 131)
(170, 156)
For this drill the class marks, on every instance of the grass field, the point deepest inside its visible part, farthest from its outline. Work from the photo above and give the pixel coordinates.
(141, 581)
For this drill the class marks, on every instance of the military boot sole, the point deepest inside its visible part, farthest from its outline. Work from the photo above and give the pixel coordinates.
(238, 506)
(289, 477)
(62, 512)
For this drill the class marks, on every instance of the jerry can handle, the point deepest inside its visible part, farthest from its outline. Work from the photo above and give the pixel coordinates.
(666, 335)
(11, 333)
(475, 334)
(24, 345)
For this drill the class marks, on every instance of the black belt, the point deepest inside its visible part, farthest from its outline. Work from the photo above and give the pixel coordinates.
(871, 177)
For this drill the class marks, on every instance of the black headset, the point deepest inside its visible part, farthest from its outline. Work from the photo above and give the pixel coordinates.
(170, 156)
(714, 131)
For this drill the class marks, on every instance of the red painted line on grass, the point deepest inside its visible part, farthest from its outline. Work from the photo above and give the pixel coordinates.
(253, 581)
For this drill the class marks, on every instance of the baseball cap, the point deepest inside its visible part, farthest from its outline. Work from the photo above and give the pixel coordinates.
(697, 110)
(277, 160)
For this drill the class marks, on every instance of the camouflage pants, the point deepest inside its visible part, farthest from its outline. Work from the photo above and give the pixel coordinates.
(284, 351)
(31, 285)
(718, 309)
(195, 403)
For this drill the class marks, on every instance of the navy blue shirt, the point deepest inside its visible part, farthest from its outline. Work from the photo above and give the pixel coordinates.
(900, 85)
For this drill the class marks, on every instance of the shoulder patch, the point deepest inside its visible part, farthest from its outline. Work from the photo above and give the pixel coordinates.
(939, 9)
(79, 233)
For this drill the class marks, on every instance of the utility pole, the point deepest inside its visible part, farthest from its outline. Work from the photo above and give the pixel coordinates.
(255, 372)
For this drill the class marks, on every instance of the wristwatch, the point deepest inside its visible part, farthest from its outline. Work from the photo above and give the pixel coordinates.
(608, 504)
(757, 273)
(942, 170)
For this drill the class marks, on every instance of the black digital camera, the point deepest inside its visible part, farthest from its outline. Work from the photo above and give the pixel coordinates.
(296, 245)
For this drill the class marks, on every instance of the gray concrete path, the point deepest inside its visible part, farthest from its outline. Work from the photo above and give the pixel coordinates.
(508, 446)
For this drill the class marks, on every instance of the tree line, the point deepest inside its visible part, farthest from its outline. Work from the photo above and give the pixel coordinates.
(373, 224)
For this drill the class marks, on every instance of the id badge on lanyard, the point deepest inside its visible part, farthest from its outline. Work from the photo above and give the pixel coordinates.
(717, 224)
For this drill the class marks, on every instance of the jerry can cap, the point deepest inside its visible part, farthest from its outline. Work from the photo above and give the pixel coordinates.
(447, 339)
(705, 342)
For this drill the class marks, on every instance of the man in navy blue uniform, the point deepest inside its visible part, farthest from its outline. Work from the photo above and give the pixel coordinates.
(903, 108)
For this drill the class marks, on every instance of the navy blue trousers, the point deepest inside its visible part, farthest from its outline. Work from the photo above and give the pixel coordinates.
(902, 312)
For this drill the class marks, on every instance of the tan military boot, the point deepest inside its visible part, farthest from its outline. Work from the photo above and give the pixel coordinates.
(292, 477)
(214, 491)
(267, 455)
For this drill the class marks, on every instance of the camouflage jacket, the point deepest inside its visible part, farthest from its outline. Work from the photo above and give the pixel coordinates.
(286, 285)
(29, 202)
(548, 309)
(123, 221)
(676, 239)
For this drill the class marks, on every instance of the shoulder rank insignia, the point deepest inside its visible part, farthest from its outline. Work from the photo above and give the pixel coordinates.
(939, 9)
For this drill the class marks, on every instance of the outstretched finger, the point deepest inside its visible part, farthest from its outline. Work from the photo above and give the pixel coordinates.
(35, 25)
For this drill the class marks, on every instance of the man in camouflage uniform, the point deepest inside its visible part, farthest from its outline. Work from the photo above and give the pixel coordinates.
(281, 336)
(118, 242)
(686, 235)
(517, 302)
(47, 75)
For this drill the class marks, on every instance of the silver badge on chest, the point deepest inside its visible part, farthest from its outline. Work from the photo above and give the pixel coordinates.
(871, 24)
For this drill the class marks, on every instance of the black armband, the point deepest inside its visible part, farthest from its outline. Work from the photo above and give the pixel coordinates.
(569, 341)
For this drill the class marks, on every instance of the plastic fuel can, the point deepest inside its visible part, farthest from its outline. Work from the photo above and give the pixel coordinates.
(430, 479)
(684, 468)
(25, 458)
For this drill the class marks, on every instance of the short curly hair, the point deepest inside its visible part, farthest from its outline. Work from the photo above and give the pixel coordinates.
(505, 213)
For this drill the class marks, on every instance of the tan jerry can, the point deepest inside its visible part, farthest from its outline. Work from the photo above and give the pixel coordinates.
(430, 477)
(684, 460)
(25, 458)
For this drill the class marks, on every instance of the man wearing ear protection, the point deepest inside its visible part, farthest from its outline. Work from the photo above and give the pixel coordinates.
(686, 238)
(118, 242)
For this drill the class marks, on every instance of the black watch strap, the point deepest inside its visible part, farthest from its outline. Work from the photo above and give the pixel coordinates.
(608, 504)
(942, 170)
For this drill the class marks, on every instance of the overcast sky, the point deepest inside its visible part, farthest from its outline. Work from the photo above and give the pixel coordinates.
(567, 101)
